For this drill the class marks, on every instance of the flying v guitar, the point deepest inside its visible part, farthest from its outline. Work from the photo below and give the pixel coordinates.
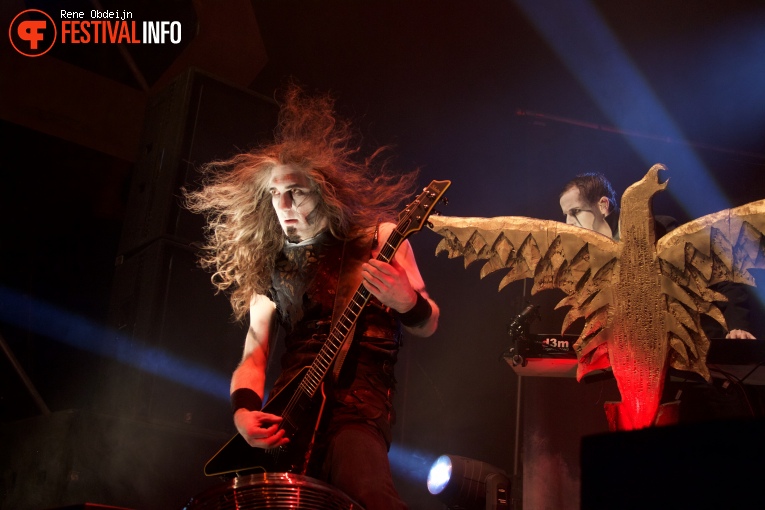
(301, 402)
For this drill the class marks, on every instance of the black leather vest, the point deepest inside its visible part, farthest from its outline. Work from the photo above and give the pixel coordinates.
(304, 286)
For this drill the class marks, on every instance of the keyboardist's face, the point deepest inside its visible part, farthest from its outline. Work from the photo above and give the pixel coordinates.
(581, 213)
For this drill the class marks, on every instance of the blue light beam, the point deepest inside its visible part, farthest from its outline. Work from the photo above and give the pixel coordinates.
(409, 464)
(60, 325)
(591, 52)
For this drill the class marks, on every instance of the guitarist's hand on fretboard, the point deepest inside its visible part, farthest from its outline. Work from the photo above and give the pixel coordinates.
(397, 284)
(390, 284)
(259, 429)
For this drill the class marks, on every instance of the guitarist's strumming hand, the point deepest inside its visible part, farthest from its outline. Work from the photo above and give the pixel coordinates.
(259, 429)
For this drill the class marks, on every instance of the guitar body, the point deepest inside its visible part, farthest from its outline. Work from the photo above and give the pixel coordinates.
(301, 416)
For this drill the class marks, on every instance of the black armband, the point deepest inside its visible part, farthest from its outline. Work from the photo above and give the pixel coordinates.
(245, 398)
(420, 313)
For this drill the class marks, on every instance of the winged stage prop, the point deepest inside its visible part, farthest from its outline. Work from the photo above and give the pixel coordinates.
(641, 299)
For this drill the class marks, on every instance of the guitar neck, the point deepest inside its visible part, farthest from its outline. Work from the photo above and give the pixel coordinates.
(411, 220)
(345, 323)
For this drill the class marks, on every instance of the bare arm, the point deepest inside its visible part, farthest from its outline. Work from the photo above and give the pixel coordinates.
(396, 284)
(257, 428)
(735, 310)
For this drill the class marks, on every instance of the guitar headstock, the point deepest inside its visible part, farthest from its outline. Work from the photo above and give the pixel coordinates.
(416, 214)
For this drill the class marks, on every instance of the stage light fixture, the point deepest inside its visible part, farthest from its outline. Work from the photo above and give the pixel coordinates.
(468, 484)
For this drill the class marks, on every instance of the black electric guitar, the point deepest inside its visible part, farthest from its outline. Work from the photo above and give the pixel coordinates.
(301, 402)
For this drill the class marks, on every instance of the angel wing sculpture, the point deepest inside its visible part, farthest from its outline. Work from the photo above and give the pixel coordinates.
(641, 300)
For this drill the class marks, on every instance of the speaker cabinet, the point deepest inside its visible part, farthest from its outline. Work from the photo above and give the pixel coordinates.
(71, 457)
(195, 119)
(173, 344)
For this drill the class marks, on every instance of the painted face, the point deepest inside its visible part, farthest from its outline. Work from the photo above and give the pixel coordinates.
(581, 213)
(295, 203)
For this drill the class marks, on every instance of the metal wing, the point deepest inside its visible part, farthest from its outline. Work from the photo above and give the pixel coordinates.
(719, 247)
(556, 255)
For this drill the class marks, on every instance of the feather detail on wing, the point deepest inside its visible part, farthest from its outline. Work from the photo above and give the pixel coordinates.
(719, 247)
(576, 260)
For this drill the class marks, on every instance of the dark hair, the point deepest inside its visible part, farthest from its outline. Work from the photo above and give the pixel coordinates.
(592, 186)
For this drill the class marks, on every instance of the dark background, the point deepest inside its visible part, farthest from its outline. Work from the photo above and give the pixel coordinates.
(104, 310)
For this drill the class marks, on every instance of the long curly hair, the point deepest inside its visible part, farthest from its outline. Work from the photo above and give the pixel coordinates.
(243, 236)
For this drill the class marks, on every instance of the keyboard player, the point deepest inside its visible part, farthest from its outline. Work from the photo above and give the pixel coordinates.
(589, 201)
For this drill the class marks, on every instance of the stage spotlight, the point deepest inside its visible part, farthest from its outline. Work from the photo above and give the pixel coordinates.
(467, 484)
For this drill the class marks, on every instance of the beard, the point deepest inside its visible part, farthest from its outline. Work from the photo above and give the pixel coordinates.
(292, 235)
(313, 223)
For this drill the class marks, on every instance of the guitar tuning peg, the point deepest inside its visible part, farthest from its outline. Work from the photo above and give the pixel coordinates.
(444, 201)
(429, 224)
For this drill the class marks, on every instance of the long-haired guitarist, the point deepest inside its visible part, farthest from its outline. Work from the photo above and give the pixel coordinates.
(293, 228)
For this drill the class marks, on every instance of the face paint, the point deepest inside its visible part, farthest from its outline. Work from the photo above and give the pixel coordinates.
(583, 214)
(296, 203)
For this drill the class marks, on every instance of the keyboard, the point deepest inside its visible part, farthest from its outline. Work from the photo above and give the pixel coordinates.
(552, 355)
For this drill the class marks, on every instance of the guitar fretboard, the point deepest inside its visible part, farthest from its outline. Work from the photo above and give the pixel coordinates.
(339, 332)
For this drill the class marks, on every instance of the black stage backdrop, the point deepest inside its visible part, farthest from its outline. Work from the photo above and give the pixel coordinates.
(97, 257)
